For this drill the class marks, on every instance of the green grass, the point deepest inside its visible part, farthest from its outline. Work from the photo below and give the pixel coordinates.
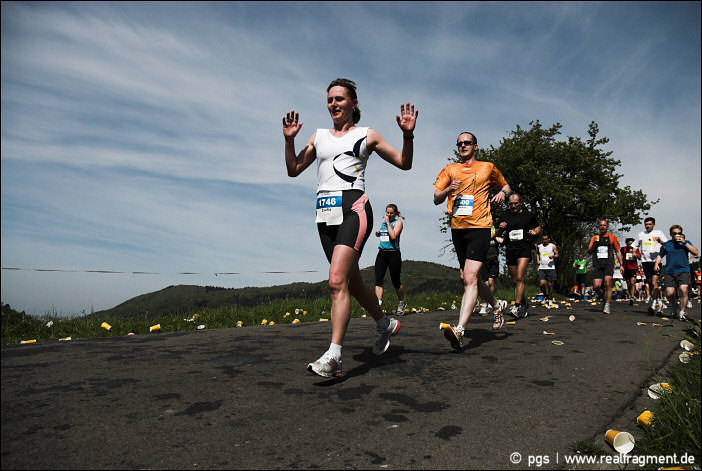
(676, 426)
(17, 327)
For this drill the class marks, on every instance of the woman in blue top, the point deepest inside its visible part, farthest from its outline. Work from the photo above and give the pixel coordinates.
(389, 256)
(344, 214)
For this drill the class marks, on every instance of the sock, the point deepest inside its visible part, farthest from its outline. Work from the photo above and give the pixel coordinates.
(460, 329)
(380, 302)
(383, 322)
(335, 350)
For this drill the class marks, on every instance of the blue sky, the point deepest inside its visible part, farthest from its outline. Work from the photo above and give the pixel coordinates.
(146, 137)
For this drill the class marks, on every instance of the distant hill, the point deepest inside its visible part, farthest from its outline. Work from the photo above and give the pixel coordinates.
(417, 277)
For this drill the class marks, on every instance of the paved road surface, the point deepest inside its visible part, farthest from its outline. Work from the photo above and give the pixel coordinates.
(242, 399)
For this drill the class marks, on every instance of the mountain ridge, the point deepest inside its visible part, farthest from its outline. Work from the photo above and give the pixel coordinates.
(417, 277)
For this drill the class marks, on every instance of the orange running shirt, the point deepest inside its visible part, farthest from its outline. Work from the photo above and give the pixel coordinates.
(476, 179)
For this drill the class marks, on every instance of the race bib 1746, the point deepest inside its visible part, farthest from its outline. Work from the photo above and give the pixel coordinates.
(329, 208)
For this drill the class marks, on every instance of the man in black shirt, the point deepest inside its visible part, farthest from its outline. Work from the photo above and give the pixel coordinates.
(519, 228)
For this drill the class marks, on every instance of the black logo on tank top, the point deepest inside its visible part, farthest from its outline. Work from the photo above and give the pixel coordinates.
(356, 152)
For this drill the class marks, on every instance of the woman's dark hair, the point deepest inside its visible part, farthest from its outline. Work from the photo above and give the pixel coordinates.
(350, 87)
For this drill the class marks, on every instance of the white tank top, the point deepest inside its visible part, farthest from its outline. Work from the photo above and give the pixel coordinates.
(341, 161)
(546, 261)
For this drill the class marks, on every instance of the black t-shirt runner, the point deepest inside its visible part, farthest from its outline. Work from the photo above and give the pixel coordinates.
(516, 233)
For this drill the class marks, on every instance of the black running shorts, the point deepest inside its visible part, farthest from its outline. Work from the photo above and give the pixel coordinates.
(471, 244)
(355, 228)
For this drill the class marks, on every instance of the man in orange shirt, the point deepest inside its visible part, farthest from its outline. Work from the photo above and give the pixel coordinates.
(466, 187)
(604, 248)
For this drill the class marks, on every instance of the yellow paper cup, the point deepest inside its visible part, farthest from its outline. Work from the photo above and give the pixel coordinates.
(105, 326)
(442, 326)
(155, 327)
(622, 442)
(645, 418)
(28, 341)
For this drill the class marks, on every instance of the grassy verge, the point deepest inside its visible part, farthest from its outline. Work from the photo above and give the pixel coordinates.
(17, 327)
(676, 425)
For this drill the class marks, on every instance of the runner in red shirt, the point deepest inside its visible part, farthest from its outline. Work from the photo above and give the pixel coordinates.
(630, 256)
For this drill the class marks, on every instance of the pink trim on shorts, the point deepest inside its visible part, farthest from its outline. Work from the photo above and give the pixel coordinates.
(359, 207)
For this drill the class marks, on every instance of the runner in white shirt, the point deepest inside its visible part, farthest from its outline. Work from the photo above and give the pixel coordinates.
(547, 253)
(649, 244)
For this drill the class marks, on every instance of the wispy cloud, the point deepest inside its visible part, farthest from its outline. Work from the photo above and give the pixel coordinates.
(147, 136)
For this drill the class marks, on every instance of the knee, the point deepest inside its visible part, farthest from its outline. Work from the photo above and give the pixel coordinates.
(470, 278)
(337, 284)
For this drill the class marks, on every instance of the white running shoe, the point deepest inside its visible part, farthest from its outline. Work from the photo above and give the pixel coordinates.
(401, 306)
(682, 316)
(689, 304)
(382, 338)
(326, 366)
(483, 309)
(514, 311)
(455, 336)
(499, 319)
(606, 310)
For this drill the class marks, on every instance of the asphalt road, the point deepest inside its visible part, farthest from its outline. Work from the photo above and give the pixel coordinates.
(241, 398)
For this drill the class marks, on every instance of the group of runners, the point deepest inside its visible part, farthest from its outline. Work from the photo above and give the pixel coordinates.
(344, 219)
(639, 264)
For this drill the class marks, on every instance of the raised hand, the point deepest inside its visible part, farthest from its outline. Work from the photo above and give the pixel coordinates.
(290, 124)
(407, 118)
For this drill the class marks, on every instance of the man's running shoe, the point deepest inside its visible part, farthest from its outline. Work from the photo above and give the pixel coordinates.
(631, 301)
(689, 304)
(660, 307)
(499, 319)
(514, 311)
(454, 336)
(682, 316)
(652, 309)
(606, 310)
(326, 366)
(522, 312)
(382, 338)
(483, 309)
(401, 306)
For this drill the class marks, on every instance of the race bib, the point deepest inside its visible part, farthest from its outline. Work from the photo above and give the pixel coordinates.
(463, 205)
(384, 236)
(602, 252)
(329, 208)
(629, 256)
(517, 234)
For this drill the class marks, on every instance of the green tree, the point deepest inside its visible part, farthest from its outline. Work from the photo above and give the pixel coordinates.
(568, 185)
